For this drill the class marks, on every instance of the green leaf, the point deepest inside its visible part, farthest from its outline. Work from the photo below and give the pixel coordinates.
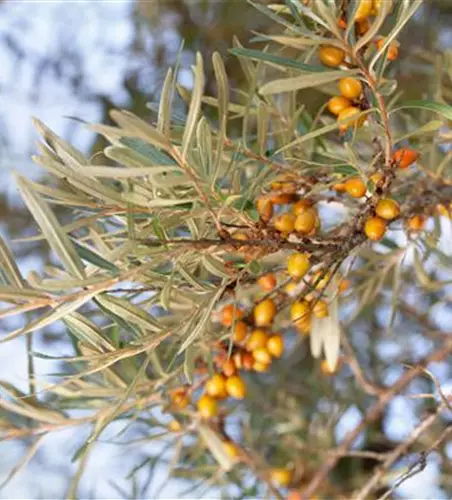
(147, 150)
(304, 81)
(283, 61)
(346, 170)
(437, 107)
(94, 258)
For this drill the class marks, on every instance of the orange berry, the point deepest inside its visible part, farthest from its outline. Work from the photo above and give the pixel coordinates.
(290, 288)
(261, 355)
(375, 228)
(264, 312)
(239, 235)
(339, 187)
(344, 285)
(229, 368)
(281, 199)
(362, 27)
(416, 223)
(377, 178)
(229, 313)
(364, 9)
(246, 360)
(387, 209)
(377, 6)
(337, 104)
(284, 223)
(350, 88)
(342, 23)
(258, 338)
(306, 221)
(236, 387)
(325, 368)
(301, 206)
(331, 56)
(207, 407)
(299, 311)
(231, 449)
(347, 114)
(320, 309)
(275, 345)
(355, 187)
(264, 208)
(322, 278)
(281, 476)
(174, 426)
(393, 51)
(240, 332)
(304, 325)
(442, 210)
(405, 157)
(267, 282)
(298, 265)
(261, 367)
(179, 398)
(216, 386)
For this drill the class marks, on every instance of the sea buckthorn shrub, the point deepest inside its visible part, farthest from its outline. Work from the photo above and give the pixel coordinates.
(232, 281)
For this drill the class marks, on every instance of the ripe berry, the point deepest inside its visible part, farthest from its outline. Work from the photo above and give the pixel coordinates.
(229, 368)
(281, 476)
(364, 9)
(342, 23)
(320, 309)
(174, 426)
(320, 279)
(290, 288)
(442, 210)
(179, 398)
(347, 114)
(377, 178)
(344, 285)
(405, 157)
(387, 209)
(264, 208)
(264, 312)
(230, 313)
(236, 387)
(243, 359)
(284, 223)
(207, 407)
(260, 367)
(298, 265)
(355, 187)
(393, 51)
(240, 332)
(301, 206)
(216, 386)
(258, 338)
(339, 187)
(231, 449)
(262, 355)
(281, 199)
(267, 282)
(416, 223)
(331, 56)
(362, 27)
(350, 88)
(306, 221)
(275, 346)
(375, 228)
(376, 6)
(299, 311)
(337, 104)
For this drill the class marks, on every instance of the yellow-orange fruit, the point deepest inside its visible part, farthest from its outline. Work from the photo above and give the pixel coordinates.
(299, 311)
(375, 228)
(320, 309)
(231, 449)
(344, 285)
(320, 279)
(350, 88)
(298, 265)
(325, 368)
(261, 355)
(275, 345)
(362, 27)
(290, 288)
(216, 386)
(284, 223)
(337, 104)
(281, 199)
(261, 367)
(229, 314)
(258, 338)
(355, 187)
(239, 235)
(207, 407)
(405, 157)
(377, 178)
(243, 360)
(342, 23)
(347, 114)
(306, 221)
(376, 6)
(240, 332)
(264, 208)
(304, 325)
(174, 426)
(393, 51)
(416, 223)
(301, 206)
(442, 210)
(179, 398)
(229, 368)
(264, 312)
(339, 187)
(267, 282)
(281, 476)
(387, 209)
(236, 387)
(331, 56)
